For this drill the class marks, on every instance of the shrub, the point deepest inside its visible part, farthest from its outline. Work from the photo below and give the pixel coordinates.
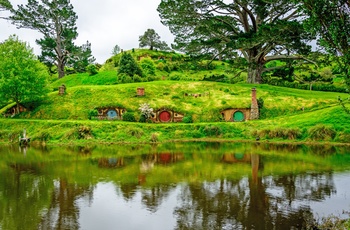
(143, 118)
(135, 132)
(321, 133)
(92, 113)
(137, 78)
(211, 130)
(187, 119)
(91, 69)
(124, 78)
(129, 116)
(148, 66)
(160, 66)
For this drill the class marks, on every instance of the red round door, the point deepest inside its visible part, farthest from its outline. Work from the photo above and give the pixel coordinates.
(164, 116)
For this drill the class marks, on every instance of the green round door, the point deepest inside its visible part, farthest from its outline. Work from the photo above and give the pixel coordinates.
(238, 116)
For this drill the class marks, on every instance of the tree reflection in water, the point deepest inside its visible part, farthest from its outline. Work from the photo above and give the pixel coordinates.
(215, 187)
(253, 203)
(63, 212)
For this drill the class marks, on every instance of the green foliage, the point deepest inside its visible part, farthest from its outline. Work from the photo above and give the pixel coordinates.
(56, 20)
(187, 119)
(235, 33)
(151, 39)
(211, 130)
(148, 66)
(129, 116)
(93, 113)
(143, 118)
(5, 5)
(22, 77)
(91, 70)
(135, 132)
(124, 78)
(83, 132)
(81, 57)
(44, 136)
(330, 20)
(129, 66)
(322, 133)
(276, 133)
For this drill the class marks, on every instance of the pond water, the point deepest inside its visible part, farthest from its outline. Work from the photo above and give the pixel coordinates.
(172, 186)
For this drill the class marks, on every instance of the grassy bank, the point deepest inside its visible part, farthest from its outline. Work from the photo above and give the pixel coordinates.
(329, 124)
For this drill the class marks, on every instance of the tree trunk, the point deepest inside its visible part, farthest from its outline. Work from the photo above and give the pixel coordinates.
(60, 69)
(254, 73)
(17, 107)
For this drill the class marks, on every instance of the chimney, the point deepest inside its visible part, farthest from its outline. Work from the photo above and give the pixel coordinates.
(254, 109)
(62, 90)
(140, 91)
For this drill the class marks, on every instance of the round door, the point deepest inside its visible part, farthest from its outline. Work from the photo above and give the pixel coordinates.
(238, 116)
(164, 116)
(112, 114)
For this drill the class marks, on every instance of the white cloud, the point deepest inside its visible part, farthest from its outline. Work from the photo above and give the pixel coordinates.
(104, 23)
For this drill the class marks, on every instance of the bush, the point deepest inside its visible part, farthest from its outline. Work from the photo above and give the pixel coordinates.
(135, 132)
(160, 66)
(148, 66)
(143, 118)
(137, 78)
(91, 69)
(92, 113)
(129, 116)
(187, 119)
(124, 78)
(322, 133)
(211, 130)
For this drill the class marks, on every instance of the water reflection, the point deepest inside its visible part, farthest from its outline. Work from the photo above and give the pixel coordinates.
(173, 186)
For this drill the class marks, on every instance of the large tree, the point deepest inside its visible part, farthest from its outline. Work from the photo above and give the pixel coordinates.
(23, 78)
(152, 40)
(258, 30)
(330, 20)
(56, 20)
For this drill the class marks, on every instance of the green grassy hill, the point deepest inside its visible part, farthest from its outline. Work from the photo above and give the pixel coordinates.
(65, 118)
(287, 114)
(278, 101)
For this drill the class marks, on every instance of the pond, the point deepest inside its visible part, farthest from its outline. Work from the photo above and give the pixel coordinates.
(172, 186)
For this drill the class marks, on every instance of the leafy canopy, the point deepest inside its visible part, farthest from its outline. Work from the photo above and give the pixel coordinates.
(23, 78)
(330, 20)
(152, 40)
(258, 30)
(56, 21)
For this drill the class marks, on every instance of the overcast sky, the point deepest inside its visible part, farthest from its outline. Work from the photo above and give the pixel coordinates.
(104, 23)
